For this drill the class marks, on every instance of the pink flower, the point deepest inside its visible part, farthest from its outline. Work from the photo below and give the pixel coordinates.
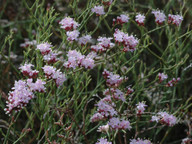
(117, 124)
(103, 141)
(112, 80)
(72, 35)
(88, 63)
(49, 71)
(140, 108)
(50, 58)
(97, 48)
(122, 19)
(97, 117)
(165, 118)
(27, 71)
(68, 24)
(59, 78)
(140, 19)
(175, 19)
(162, 77)
(105, 42)
(37, 86)
(159, 16)
(44, 48)
(139, 141)
(19, 97)
(74, 59)
(129, 90)
(118, 35)
(84, 39)
(115, 93)
(99, 10)
(104, 128)
(173, 82)
(130, 43)
(28, 43)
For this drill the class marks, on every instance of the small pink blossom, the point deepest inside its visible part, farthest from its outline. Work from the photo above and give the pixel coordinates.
(97, 117)
(103, 128)
(140, 108)
(173, 82)
(139, 18)
(99, 10)
(165, 118)
(68, 24)
(175, 19)
(37, 86)
(84, 39)
(117, 124)
(73, 35)
(122, 19)
(162, 77)
(103, 141)
(44, 48)
(159, 16)
(97, 48)
(50, 58)
(140, 141)
(105, 42)
(26, 69)
(19, 97)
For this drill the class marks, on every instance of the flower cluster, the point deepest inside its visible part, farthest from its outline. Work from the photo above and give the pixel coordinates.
(38, 86)
(159, 16)
(139, 18)
(121, 19)
(51, 57)
(27, 71)
(165, 118)
(73, 35)
(99, 10)
(84, 40)
(112, 80)
(76, 59)
(117, 124)
(115, 93)
(104, 44)
(141, 108)
(129, 90)
(45, 48)
(103, 128)
(52, 73)
(103, 141)
(173, 82)
(68, 24)
(48, 55)
(129, 42)
(162, 77)
(28, 43)
(22, 93)
(19, 97)
(175, 19)
(140, 141)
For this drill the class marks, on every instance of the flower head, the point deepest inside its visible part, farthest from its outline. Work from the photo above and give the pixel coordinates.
(159, 16)
(44, 48)
(175, 19)
(99, 10)
(140, 19)
(68, 24)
